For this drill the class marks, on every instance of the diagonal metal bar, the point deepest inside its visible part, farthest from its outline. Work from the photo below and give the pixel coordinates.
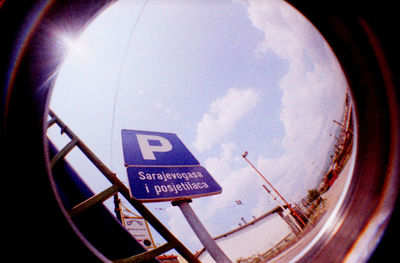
(164, 232)
(64, 151)
(51, 122)
(89, 153)
(99, 198)
(140, 207)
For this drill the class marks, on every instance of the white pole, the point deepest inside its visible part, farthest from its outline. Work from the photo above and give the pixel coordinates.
(201, 232)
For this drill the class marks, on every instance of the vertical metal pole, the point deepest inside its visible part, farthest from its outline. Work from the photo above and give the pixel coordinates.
(273, 197)
(201, 232)
(273, 188)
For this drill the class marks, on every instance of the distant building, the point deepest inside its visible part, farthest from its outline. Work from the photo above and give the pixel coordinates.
(344, 148)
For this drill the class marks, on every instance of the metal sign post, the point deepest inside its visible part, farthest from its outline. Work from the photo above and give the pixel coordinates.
(201, 232)
(161, 168)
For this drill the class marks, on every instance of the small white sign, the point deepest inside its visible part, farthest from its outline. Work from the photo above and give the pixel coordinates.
(139, 229)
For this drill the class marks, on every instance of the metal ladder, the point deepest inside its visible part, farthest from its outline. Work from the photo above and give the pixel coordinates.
(117, 186)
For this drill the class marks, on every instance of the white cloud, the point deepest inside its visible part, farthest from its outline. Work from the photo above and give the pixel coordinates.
(313, 95)
(313, 91)
(223, 115)
(276, 142)
(158, 105)
(283, 173)
(286, 31)
(220, 166)
(237, 183)
(314, 86)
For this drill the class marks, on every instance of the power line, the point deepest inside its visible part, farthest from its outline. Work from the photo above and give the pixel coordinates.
(120, 75)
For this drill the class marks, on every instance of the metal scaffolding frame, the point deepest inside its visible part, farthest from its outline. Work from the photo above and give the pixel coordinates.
(117, 186)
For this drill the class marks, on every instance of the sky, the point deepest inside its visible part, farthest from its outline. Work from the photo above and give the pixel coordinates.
(226, 77)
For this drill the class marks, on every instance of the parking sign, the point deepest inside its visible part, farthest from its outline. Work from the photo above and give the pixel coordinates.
(161, 168)
(143, 148)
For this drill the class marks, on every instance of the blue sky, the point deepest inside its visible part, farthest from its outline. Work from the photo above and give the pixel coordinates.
(225, 77)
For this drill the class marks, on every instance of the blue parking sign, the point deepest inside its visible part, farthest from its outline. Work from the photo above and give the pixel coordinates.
(144, 148)
(161, 168)
(151, 184)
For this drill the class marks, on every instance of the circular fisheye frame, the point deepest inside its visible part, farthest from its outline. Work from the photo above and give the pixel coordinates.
(51, 200)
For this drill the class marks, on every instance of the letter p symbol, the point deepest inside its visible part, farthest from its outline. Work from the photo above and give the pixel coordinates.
(148, 150)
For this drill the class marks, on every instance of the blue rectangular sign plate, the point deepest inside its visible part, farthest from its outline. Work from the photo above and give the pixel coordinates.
(153, 184)
(144, 148)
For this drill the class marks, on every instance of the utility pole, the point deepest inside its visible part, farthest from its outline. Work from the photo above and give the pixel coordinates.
(273, 197)
(283, 210)
(244, 155)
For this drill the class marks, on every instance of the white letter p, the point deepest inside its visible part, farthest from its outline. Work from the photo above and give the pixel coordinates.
(148, 150)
